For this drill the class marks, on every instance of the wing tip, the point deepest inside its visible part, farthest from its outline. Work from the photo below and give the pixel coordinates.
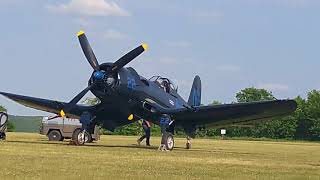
(290, 104)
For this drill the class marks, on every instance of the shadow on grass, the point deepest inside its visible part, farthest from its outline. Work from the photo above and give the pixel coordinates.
(35, 142)
(94, 145)
(132, 146)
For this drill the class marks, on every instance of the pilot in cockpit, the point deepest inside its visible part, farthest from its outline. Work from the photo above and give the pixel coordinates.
(166, 86)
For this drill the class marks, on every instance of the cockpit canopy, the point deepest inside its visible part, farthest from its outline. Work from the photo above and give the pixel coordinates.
(164, 83)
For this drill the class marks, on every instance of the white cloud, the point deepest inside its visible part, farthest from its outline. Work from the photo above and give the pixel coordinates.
(273, 86)
(114, 35)
(90, 8)
(228, 68)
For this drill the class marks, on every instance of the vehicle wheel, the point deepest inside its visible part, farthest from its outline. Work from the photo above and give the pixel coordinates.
(169, 141)
(78, 137)
(54, 135)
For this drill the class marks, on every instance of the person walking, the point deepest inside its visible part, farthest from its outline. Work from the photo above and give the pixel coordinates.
(146, 128)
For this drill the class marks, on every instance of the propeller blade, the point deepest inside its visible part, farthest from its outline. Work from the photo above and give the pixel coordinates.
(75, 100)
(129, 57)
(87, 50)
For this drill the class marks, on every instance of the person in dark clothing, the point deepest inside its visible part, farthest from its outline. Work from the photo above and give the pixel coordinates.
(146, 128)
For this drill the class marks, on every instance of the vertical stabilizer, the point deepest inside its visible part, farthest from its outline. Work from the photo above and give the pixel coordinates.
(195, 94)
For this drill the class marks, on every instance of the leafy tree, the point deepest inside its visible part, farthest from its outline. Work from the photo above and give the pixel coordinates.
(254, 94)
(215, 102)
(3, 109)
(91, 101)
(10, 126)
(311, 116)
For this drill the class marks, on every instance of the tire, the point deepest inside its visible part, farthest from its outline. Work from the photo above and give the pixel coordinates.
(88, 138)
(54, 135)
(169, 141)
(77, 137)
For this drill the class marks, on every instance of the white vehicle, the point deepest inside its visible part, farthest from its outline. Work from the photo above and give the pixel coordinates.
(59, 128)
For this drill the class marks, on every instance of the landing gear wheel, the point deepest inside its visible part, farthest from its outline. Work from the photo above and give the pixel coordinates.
(169, 141)
(88, 137)
(54, 135)
(80, 137)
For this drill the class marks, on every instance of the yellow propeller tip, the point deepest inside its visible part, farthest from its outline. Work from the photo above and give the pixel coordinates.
(62, 114)
(130, 118)
(80, 33)
(145, 46)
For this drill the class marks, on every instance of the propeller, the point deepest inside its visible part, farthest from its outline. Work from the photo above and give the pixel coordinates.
(129, 57)
(87, 50)
(98, 73)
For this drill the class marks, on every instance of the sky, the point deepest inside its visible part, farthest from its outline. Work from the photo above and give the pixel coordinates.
(231, 45)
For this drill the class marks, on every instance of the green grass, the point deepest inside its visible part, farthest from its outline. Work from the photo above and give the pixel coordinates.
(31, 156)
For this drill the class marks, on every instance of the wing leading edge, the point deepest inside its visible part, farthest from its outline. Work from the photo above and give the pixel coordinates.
(46, 105)
(233, 114)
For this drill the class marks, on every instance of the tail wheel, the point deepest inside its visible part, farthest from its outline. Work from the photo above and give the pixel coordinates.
(54, 135)
(188, 145)
(169, 141)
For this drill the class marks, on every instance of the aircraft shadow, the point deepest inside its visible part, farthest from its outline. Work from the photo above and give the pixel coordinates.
(35, 142)
(94, 145)
(132, 146)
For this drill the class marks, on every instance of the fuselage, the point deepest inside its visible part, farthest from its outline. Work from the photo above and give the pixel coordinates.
(134, 94)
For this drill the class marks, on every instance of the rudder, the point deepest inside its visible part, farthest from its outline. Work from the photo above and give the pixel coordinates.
(195, 94)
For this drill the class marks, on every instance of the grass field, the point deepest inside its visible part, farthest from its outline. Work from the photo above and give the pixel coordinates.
(31, 156)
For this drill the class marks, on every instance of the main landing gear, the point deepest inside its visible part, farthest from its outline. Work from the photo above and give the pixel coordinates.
(167, 131)
(167, 142)
(83, 135)
(79, 137)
